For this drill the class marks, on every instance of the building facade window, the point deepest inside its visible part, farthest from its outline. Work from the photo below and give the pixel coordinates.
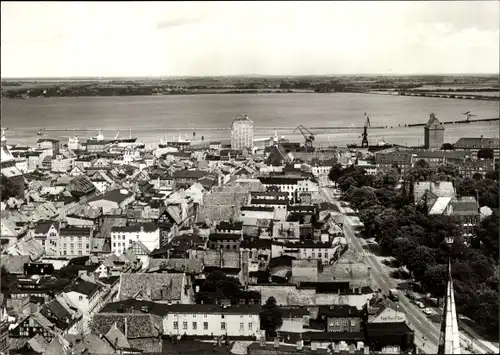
(205, 325)
(223, 326)
(176, 325)
(195, 326)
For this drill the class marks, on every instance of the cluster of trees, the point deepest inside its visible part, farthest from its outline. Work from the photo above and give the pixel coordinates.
(7, 188)
(417, 240)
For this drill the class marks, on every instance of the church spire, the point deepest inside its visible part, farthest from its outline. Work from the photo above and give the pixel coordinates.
(449, 338)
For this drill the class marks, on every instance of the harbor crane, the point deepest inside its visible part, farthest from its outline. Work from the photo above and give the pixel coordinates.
(308, 136)
(468, 114)
(364, 141)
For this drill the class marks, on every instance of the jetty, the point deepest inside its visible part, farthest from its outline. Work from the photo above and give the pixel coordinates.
(184, 129)
(457, 122)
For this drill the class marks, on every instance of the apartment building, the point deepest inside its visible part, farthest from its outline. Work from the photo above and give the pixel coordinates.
(122, 238)
(74, 241)
(242, 133)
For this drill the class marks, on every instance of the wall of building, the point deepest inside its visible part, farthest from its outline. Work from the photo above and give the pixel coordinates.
(347, 324)
(211, 324)
(121, 241)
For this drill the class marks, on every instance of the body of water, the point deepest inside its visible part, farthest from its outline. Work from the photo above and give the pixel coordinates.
(154, 117)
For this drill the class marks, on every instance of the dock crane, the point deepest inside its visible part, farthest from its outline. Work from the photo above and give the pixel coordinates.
(468, 114)
(308, 136)
(364, 141)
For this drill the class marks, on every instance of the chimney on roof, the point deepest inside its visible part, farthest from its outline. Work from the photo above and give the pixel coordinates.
(276, 342)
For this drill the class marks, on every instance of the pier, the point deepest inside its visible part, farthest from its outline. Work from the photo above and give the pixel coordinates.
(458, 122)
(184, 129)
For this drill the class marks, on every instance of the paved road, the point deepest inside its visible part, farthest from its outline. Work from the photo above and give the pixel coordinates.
(426, 332)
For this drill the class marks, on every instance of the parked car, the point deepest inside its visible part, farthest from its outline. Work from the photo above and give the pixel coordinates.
(427, 311)
(410, 295)
(419, 304)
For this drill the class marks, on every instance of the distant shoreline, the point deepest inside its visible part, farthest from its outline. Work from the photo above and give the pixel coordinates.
(432, 94)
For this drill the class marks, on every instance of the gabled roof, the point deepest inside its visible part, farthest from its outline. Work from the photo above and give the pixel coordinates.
(116, 338)
(158, 286)
(440, 205)
(43, 227)
(83, 287)
(478, 142)
(138, 325)
(114, 196)
(434, 123)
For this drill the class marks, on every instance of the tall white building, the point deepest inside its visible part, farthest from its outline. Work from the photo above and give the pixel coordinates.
(242, 133)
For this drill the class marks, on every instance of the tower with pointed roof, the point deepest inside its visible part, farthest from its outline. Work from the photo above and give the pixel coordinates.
(433, 133)
(449, 338)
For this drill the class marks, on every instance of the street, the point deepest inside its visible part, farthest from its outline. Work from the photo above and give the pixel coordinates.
(426, 332)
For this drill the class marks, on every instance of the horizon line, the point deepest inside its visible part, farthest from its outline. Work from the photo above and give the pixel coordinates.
(238, 75)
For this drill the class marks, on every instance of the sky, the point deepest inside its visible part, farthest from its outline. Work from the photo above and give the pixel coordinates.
(110, 39)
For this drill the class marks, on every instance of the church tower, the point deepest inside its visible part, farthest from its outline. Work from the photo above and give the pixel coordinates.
(449, 338)
(433, 133)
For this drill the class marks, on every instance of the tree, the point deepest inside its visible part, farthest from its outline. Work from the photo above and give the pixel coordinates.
(359, 196)
(485, 153)
(7, 188)
(447, 146)
(435, 279)
(347, 183)
(488, 233)
(335, 173)
(270, 317)
(448, 170)
(8, 280)
(218, 285)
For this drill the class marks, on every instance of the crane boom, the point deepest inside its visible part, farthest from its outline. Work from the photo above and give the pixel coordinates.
(308, 138)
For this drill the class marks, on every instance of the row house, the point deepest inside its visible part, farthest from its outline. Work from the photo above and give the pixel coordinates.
(74, 241)
(47, 234)
(122, 238)
(61, 164)
(471, 167)
(274, 203)
(188, 176)
(370, 169)
(437, 158)
(88, 296)
(227, 241)
(257, 249)
(65, 315)
(282, 184)
(34, 324)
(322, 168)
(230, 228)
(212, 320)
(325, 252)
(52, 145)
(340, 318)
